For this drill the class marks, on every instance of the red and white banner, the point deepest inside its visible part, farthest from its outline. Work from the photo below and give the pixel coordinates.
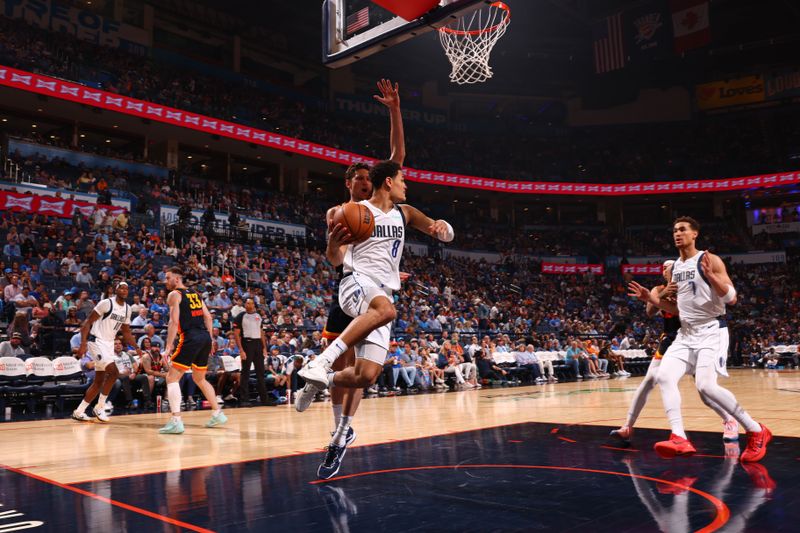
(690, 24)
(50, 206)
(74, 92)
(653, 269)
(570, 268)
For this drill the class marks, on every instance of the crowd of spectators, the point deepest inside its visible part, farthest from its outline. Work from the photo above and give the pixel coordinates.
(704, 148)
(447, 310)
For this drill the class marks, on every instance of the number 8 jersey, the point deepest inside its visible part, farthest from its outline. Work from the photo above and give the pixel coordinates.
(191, 311)
(379, 256)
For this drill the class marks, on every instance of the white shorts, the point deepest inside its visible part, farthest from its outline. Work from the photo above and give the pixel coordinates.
(356, 291)
(702, 346)
(102, 352)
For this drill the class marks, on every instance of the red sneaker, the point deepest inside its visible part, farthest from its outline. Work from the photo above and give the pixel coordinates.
(760, 477)
(674, 446)
(756, 445)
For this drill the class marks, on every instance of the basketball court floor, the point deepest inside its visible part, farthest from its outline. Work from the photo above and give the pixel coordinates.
(524, 458)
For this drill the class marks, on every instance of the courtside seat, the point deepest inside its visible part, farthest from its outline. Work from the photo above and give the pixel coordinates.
(13, 380)
(69, 380)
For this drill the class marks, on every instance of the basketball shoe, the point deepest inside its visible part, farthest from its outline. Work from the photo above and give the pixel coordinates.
(315, 374)
(217, 420)
(100, 414)
(673, 447)
(174, 427)
(756, 445)
(333, 461)
(81, 417)
(730, 432)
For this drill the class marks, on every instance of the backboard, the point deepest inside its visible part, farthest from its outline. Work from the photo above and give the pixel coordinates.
(355, 29)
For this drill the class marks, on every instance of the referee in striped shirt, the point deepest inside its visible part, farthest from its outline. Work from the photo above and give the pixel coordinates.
(253, 349)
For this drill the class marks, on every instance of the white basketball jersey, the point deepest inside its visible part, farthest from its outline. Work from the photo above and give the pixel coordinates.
(112, 317)
(379, 256)
(698, 302)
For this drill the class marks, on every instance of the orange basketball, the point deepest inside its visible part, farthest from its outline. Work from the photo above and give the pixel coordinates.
(358, 220)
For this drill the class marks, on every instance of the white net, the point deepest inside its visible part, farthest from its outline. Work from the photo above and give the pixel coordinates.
(468, 42)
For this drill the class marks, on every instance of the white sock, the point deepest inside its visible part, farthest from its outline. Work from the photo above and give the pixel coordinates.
(82, 407)
(340, 435)
(174, 397)
(101, 401)
(333, 351)
(337, 414)
(216, 412)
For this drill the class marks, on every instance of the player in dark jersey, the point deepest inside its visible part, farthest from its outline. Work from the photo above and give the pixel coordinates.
(672, 324)
(189, 343)
(344, 401)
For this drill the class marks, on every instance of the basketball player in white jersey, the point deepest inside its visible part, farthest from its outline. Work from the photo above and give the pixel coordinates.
(671, 327)
(371, 274)
(704, 289)
(110, 317)
(345, 400)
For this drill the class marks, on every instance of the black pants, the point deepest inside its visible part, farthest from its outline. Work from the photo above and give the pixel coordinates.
(254, 351)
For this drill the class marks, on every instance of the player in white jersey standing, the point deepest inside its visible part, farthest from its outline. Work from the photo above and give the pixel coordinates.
(704, 288)
(371, 274)
(110, 317)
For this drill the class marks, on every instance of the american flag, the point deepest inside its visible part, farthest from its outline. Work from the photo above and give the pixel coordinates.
(609, 50)
(358, 20)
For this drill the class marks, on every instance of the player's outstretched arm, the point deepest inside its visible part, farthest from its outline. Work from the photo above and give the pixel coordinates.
(440, 229)
(718, 278)
(390, 97)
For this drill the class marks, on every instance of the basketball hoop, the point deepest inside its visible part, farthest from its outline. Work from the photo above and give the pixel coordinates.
(468, 42)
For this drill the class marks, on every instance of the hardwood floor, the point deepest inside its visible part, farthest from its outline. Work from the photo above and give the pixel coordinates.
(69, 452)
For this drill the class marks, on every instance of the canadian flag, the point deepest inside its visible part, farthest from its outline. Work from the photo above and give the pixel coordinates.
(690, 24)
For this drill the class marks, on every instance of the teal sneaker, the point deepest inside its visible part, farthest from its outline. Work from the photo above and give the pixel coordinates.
(174, 427)
(217, 420)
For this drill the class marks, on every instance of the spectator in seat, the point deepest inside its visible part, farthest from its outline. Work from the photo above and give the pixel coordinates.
(130, 378)
(65, 301)
(84, 277)
(21, 325)
(153, 367)
(49, 266)
(140, 321)
(576, 361)
(150, 334)
(528, 363)
(487, 369)
(12, 347)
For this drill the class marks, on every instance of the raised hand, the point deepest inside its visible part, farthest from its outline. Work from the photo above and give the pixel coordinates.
(638, 291)
(390, 94)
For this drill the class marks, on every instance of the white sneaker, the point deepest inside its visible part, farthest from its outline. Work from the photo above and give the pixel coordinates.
(220, 400)
(100, 414)
(305, 397)
(315, 374)
(82, 417)
(230, 398)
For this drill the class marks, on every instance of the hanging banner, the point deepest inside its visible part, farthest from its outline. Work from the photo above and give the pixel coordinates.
(567, 268)
(51, 206)
(739, 91)
(74, 92)
(169, 215)
(643, 270)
